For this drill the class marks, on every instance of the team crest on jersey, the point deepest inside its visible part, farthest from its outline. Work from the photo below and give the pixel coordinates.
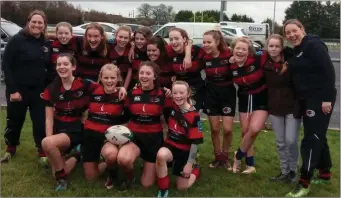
(208, 64)
(200, 126)
(235, 73)
(227, 110)
(183, 123)
(79, 93)
(310, 113)
(55, 50)
(155, 99)
(61, 97)
(45, 49)
(224, 62)
(251, 68)
(174, 59)
(98, 98)
(137, 98)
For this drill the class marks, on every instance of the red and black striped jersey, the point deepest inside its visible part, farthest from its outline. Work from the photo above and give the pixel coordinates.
(105, 110)
(249, 77)
(218, 69)
(139, 57)
(71, 103)
(192, 75)
(90, 63)
(183, 133)
(166, 74)
(121, 61)
(73, 47)
(146, 108)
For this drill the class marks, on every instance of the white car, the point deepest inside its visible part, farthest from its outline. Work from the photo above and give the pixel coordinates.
(109, 29)
(238, 31)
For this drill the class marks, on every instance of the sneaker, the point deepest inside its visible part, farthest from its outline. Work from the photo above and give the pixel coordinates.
(215, 164)
(236, 164)
(291, 177)
(61, 184)
(126, 184)
(162, 193)
(280, 177)
(226, 165)
(299, 191)
(319, 180)
(109, 182)
(44, 161)
(249, 170)
(7, 157)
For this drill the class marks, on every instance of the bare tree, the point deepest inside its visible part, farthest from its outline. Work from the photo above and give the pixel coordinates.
(144, 11)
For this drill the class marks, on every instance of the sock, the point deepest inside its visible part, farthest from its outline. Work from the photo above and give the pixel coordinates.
(11, 149)
(324, 174)
(60, 174)
(304, 181)
(218, 155)
(41, 153)
(225, 156)
(250, 161)
(240, 154)
(163, 183)
(196, 172)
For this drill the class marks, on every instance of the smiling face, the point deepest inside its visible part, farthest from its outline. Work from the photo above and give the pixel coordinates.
(153, 52)
(146, 77)
(64, 67)
(181, 94)
(122, 38)
(210, 45)
(36, 25)
(109, 79)
(294, 34)
(274, 47)
(177, 41)
(93, 37)
(64, 34)
(140, 41)
(240, 52)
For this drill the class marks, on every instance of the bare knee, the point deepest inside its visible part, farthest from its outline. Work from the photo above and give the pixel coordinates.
(161, 157)
(227, 131)
(47, 144)
(110, 158)
(124, 160)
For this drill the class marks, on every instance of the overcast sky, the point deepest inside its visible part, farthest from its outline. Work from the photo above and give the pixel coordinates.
(258, 10)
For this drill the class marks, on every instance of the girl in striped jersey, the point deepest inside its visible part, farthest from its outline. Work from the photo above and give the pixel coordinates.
(66, 100)
(105, 110)
(94, 53)
(252, 93)
(119, 52)
(220, 100)
(140, 38)
(181, 144)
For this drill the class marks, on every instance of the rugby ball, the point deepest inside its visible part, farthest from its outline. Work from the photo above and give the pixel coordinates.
(118, 134)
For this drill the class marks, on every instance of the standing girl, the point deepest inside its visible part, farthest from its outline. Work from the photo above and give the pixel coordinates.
(66, 100)
(220, 99)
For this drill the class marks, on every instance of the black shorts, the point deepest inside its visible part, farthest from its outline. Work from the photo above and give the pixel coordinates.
(149, 144)
(198, 96)
(180, 158)
(220, 101)
(253, 102)
(92, 146)
(74, 130)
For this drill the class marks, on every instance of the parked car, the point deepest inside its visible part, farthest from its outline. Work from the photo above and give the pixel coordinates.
(133, 26)
(8, 30)
(109, 28)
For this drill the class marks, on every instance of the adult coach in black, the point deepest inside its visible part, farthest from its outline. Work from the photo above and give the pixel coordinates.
(26, 65)
(314, 81)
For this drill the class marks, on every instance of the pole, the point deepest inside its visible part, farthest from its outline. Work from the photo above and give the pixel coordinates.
(194, 16)
(202, 16)
(273, 20)
(221, 11)
(133, 14)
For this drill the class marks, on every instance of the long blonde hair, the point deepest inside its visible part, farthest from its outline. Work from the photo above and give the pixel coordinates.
(114, 68)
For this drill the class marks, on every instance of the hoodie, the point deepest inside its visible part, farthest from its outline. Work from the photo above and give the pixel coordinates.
(312, 70)
(26, 62)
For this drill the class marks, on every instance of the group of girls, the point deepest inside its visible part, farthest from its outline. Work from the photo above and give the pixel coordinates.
(148, 68)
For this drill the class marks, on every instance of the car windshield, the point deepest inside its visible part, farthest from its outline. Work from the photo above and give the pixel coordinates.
(244, 32)
(10, 28)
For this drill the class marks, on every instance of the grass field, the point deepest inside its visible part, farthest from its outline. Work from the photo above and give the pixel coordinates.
(24, 177)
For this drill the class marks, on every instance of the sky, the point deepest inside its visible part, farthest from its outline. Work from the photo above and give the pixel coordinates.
(258, 10)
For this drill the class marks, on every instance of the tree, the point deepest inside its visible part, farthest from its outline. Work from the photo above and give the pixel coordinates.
(144, 11)
(209, 16)
(162, 13)
(241, 18)
(277, 27)
(183, 16)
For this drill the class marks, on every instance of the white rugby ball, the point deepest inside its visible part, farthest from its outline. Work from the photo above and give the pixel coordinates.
(118, 134)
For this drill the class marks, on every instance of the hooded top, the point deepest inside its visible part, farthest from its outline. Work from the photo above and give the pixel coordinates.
(26, 61)
(312, 70)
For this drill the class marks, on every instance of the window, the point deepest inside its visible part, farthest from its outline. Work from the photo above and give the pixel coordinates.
(223, 23)
(10, 28)
(106, 28)
(165, 31)
(84, 26)
(231, 30)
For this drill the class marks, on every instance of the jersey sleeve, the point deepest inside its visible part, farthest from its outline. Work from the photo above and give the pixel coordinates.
(195, 132)
(47, 98)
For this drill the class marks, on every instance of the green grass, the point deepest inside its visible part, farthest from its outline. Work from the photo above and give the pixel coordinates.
(24, 177)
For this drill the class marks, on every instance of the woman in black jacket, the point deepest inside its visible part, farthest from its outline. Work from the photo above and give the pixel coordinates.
(314, 81)
(26, 65)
